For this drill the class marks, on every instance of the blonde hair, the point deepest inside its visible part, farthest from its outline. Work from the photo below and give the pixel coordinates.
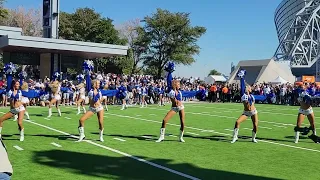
(106, 86)
(174, 83)
(24, 86)
(247, 87)
(54, 86)
(93, 82)
(81, 85)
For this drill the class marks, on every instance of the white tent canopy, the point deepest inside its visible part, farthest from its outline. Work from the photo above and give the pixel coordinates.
(215, 78)
(279, 80)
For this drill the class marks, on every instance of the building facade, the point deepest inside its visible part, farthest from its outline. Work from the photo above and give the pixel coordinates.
(298, 25)
(285, 14)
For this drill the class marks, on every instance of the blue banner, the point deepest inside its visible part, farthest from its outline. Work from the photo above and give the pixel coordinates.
(31, 93)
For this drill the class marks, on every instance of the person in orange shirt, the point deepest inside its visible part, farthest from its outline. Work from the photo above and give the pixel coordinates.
(213, 93)
(224, 93)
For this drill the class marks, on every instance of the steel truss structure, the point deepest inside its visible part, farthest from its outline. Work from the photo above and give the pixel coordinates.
(301, 45)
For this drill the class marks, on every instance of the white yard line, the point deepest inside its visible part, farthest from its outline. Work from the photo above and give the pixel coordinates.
(264, 127)
(18, 148)
(229, 130)
(119, 139)
(227, 117)
(67, 117)
(46, 118)
(199, 129)
(147, 137)
(119, 152)
(279, 126)
(193, 133)
(55, 144)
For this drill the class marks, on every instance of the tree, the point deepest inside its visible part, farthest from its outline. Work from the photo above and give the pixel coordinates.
(136, 42)
(214, 72)
(28, 19)
(3, 11)
(170, 37)
(87, 25)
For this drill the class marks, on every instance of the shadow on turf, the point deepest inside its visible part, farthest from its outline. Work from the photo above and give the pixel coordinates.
(126, 168)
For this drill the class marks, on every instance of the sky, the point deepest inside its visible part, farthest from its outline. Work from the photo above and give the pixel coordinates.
(236, 29)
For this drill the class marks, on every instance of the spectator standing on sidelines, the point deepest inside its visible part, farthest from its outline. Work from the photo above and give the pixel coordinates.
(5, 165)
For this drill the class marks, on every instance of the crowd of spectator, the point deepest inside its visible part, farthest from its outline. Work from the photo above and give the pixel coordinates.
(285, 94)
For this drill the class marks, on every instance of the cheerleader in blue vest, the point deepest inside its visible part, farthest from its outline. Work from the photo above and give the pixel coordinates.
(122, 94)
(95, 107)
(249, 111)
(24, 100)
(16, 107)
(177, 107)
(305, 110)
(161, 94)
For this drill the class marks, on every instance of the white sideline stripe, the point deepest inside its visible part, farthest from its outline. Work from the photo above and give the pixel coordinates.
(55, 144)
(199, 129)
(264, 127)
(172, 135)
(138, 115)
(46, 118)
(147, 137)
(2, 112)
(119, 152)
(119, 139)
(18, 148)
(228, 130)
(193, 133)
(207, 131)
(248, 129)
(67, 117)
(280, 126)
(228, 117)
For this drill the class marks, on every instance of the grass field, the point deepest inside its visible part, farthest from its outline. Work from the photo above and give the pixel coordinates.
(129, 150)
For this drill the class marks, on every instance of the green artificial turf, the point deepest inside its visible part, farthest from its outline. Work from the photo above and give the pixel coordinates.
(206, 154)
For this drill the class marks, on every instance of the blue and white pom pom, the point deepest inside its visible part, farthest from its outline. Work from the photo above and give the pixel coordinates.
(80, 77)
(23, 75)
(10, 68)
(170, 67)
(87, 66)
(241, 73)
(55, 76)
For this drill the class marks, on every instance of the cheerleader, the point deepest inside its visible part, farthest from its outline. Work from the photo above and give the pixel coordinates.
(123, 95)
(177, 107)
(24, 101)
(44, 96)
(95, 107)
(144, 92)
(249, 111)
(16, 107)
(161, 93)
(105, 98)
(81, 97)
(55, 97)
(305, 110)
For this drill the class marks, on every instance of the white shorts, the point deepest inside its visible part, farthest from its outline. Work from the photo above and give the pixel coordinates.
(250, 113)
(96, 110)
(177, 109)
(25, 100)
(17, 110)
(56, 97)
(306, 112)
(104, 97)
(83, 97)
(129, 95)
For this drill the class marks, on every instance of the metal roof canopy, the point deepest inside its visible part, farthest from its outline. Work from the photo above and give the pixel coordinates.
(11, 40)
